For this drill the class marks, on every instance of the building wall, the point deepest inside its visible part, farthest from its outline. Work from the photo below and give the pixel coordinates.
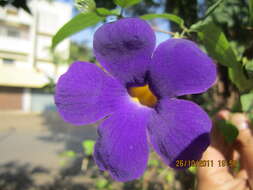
(25, 39)
(41, 101)
(25, 42)
(11, 98)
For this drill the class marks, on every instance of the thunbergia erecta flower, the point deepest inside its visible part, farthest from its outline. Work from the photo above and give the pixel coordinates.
(137, 96)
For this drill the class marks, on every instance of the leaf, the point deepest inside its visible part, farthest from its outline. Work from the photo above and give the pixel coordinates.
(107, 12)
(126, 3)
(198, 26)
(192, 169)
(170, 177)
(212, 8)
(251, 12)
(215, 43)
(219, 48)
(85, 5)
(76, 24)
(238, 77)
(174, 18)
(228, 130)
(153, 162)
(247, 102)
(88, 146)
(101, 183)
(69, 154)
(249, 68)
(119, 3)
(62, 163)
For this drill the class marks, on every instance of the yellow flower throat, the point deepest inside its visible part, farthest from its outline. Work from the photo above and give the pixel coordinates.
(143, 95)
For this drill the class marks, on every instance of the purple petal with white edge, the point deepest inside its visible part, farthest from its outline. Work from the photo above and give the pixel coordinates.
(85, 94)
(179, 131)
(179, 67)
(124, 48)
(122, 147)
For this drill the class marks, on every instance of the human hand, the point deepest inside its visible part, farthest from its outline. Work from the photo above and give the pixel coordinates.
(224, 178)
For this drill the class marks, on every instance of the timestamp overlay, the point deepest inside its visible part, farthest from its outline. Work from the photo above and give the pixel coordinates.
(206, 163)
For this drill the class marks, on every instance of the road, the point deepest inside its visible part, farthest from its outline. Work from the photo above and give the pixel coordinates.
(31, 142)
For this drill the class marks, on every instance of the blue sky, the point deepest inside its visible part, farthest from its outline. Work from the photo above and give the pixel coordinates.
(87, 35)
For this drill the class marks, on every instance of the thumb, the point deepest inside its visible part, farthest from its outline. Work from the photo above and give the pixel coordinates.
(244, 143)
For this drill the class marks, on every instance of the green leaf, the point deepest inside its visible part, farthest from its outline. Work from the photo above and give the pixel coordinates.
(247, 102)
(62, 163)
(120, 3)
(85, 5)
(192, 169)
(213, 7)
(198, 26)
(219, 48)
(153, 162)
(107, 12)
(174, 18)
(126, 3)
(238, 77)
(249, 68)
(76, 24)
(170, 177)
(251, 12)
(228, 130)
(215, 43)
(69, 154)
(101, 183)
(88, 146)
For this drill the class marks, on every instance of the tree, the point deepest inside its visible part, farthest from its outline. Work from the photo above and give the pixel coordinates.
(16, 3)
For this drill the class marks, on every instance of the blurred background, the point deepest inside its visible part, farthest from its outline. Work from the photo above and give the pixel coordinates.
(37, 149)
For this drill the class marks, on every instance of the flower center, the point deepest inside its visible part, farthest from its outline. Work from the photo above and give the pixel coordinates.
(143, 95)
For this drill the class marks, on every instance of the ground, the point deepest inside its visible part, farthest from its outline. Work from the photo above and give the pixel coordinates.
(30, 148)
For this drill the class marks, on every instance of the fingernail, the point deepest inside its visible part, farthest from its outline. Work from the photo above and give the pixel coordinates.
(223, 114)
(243, 125)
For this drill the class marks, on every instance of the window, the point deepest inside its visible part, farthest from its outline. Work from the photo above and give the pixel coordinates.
(11, 32)
(8, 61)
(12, 11)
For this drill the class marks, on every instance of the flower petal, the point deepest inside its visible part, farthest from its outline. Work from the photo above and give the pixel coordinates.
(179, 131)
(179, 67)
(85, 94)
(124, 48)
(122, 147)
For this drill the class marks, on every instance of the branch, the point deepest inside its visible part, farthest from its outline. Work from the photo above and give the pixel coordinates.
(163, 31)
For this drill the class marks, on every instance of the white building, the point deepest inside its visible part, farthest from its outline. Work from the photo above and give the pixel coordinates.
(25, 59)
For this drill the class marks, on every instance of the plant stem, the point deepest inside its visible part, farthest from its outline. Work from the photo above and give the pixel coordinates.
(121, 13)
(163, 31)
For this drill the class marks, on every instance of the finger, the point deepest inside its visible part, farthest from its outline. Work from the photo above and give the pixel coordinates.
(215, 152)
(242, 174)
(214, 173)
(232, 184)
(244, 143)
(223, 114)
(217, 139)
(238, 184)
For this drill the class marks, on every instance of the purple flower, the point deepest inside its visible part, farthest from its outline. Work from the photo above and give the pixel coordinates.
(138, 94)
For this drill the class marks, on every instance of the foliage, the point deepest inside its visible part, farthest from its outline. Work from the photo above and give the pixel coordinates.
(215, 42)
(88, 147)
(157, 176)
(78, 52)
(16, 3)
(251, 12)
(247, 103)
(171, 17)
(228, 130)
(128, 3)
(224, 30)
(76, 24)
